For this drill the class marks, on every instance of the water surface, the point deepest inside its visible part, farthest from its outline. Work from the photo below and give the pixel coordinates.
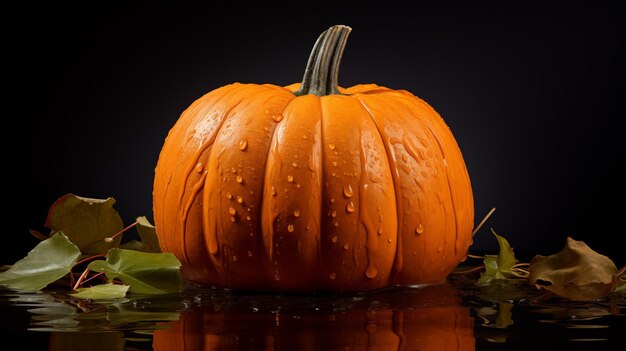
(506, 315)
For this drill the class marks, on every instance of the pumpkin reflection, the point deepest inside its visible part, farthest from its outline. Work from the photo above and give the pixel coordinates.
(426, 319)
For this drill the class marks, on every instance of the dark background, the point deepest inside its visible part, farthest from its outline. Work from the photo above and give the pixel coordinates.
(533, 91)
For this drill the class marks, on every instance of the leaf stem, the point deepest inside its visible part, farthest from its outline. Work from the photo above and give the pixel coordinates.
(90, 258)
(92, 277)
(468, 271)
(483, 221)
(111, 238)
(81, 278)
(476, 256)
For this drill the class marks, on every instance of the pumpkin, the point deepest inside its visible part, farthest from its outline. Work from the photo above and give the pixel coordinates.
(313, 187)
(430, 318)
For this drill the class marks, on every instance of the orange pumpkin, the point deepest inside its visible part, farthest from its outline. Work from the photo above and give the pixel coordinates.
(313, 187)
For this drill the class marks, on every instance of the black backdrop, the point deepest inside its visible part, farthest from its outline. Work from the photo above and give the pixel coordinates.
(533, 91)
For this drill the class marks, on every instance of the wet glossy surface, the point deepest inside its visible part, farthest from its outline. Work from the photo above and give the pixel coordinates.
(509, 315)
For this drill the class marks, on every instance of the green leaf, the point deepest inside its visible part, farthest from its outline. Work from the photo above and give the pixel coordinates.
(576, 272)
(491, 270)
(46, 263)
(134, 245)
(149, 240)
(86, 222)
(146, 273)
(506, 257)
(102, 291)
(499, 266)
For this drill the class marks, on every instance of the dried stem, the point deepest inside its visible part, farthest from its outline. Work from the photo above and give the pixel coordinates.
(483, 221)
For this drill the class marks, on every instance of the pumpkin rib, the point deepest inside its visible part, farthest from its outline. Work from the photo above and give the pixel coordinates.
(192, 113)
(207, 148)
(393, 117)
(203, 152)
(188, 112)
(452, 202)
(397, 262)
(435, 140)
(366, 212)
(224, 237)
(273, 186)
(459, 220)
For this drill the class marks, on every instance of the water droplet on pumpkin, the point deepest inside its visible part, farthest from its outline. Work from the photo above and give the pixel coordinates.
(333, 213)
(277, 118)
(248, 218)
(389, 240)
(332, 275)
(296, 213)
(335, 163)
(239, 199)
(350, 206)
(169, 179)
(243, 144)
(249, 253)
(198, 168)
(233, 170)
(336, 224)
(371, 271)
(290, 228)
(419, 229)
(334, 239)
(380, 231)
(290, 178)
(331, 146)
(346, 246)
(235, 258)
(347, 190)
(232, 211)
(273, 191)
(229, 195)
(304, 136)
(239, 179)
(295, 164)
(276, 276)
(332, 199)
(233, 219)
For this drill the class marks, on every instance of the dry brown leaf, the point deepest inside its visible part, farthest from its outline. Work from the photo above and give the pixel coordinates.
(577, 272)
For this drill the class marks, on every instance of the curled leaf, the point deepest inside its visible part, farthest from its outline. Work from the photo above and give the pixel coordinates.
(577, 272)
(86, 222)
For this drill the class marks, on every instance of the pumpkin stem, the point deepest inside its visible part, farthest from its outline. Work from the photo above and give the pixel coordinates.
(321, 76)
